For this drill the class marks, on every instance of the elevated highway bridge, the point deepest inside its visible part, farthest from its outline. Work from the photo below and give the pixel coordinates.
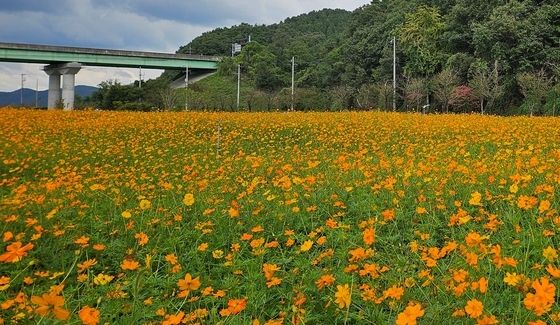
(64, 63)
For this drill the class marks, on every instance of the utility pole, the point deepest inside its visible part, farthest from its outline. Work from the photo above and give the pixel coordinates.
(238, 84)
(37, 94)
(187, 88)
(22, 80)
(394, 74)
(293, 80)
(140, 78)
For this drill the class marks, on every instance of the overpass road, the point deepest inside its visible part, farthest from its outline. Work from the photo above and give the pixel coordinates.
(65, 62)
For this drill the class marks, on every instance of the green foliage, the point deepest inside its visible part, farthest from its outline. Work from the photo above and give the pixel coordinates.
(420, 37)
(115, 96)
(534, 86)
(445, 83)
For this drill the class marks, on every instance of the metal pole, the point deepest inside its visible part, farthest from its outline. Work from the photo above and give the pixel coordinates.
(238, 84)
(140, 78)
(293, 80)
(187, 88)
(37, 94)
(394, 74)
(21, 93)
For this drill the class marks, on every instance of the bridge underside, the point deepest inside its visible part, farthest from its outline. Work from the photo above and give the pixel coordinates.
(65, 62)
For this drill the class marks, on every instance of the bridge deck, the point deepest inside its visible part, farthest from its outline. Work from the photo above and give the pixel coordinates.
(49, 54)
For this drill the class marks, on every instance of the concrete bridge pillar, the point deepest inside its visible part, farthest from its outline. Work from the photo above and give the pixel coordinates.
(54, 88)
(68, 72)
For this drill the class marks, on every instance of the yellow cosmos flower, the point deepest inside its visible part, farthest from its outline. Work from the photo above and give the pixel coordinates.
(145, 204)
(306, 246)
(188, 200)
(343, 296)
(550, 253)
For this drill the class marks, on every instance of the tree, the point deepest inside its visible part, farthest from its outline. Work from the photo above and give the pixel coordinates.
(463, 99)
(260, 65)
(415, 90)
(534, 86)
(342, 97)
(486, 85)
(444, 84)
(168, 97)
(111, 94)
(384, 94)
(366, 96)
(553, 100)
(420, 35)
(227, 67)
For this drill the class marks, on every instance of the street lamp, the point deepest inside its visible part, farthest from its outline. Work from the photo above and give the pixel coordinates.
(22, 80)
(293, 80)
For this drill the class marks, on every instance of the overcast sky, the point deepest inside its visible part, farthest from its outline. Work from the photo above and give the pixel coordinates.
(145, 25)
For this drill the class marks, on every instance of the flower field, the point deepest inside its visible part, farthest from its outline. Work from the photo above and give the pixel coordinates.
(274, 218)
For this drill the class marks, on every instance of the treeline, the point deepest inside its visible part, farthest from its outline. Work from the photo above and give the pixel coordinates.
(490, 56)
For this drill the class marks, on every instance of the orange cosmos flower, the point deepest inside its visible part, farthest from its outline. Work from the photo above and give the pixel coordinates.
(89, 316)
(50, 303)
(474, 238)
(325, 280)
(142, 238)
(394, 292)
(15, 252)
(173, 319)
(359, 254)
(171, 258)
(542, 300)
(130, 265)
(474, 308)
(82, 241)
(86, 265)
(187, 284)
(235, 306)
(487, 320)
(343, 296)
(4, 283)
(369, 236)
(274, 281)
(552, 270)
(269, 270)
(410, 314)
(99, 247)
(202, 247)
(537, 322)
(7, 236)
(388, 215)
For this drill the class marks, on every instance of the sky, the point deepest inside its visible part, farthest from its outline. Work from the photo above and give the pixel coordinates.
(143, 25)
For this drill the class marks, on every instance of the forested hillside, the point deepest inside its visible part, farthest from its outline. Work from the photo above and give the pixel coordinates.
(489, 56)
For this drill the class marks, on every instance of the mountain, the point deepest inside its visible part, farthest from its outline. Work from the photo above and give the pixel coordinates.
(316, 29)
(13, 98)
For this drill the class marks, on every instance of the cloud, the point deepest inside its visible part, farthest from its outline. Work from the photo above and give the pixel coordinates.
(83, 24)
(223, 13)
(32, 5)
(146, 25)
